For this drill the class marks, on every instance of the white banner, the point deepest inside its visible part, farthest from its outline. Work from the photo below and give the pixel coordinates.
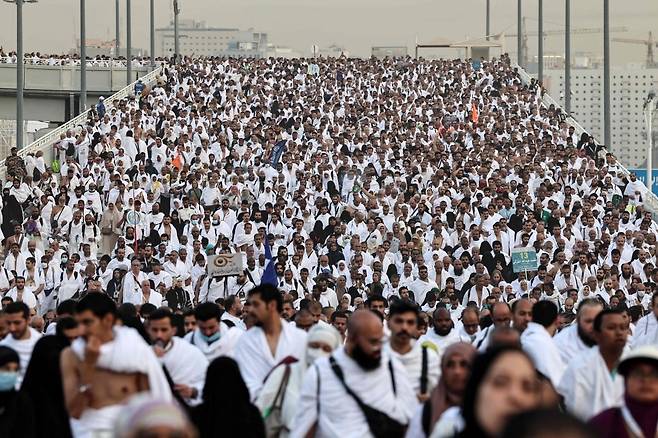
(225, 264)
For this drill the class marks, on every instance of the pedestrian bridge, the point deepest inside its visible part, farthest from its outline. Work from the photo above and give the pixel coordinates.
(52, 93)
(45, 143)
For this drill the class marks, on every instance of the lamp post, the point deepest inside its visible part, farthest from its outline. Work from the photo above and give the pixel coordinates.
(567, 56)
(153, 34)
(540, 43)
(117, 28)
(129, 61)
(519, 34)
(649, 106)
(488, 20)
(83, 58)
(20, 74)
(176, 43)
(606, 74)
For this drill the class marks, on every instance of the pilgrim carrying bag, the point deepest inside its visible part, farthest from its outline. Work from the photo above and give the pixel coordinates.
(273, 415)
(379, 423)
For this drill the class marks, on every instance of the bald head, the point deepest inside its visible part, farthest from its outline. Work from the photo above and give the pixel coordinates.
(501, 314)
(364, 340)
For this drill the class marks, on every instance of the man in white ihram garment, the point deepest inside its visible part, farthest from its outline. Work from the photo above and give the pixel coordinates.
(646, 329)
(591, 384)
(262, 347)
(420, 359)
(537, 341)
(443, 334)
(185, 364)
(361, 367)
(578, 337)
(211, 336)
(106, 366)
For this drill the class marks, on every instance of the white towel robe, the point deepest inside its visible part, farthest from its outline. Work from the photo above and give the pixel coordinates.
(186, 366)
(569, 343)
(646, 331)
(253, 355)
(588, 387)
(339, 413)
(541, 348)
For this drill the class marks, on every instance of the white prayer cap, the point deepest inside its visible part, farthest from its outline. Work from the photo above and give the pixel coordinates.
(144, 413)
(324, 333)
(645, 353)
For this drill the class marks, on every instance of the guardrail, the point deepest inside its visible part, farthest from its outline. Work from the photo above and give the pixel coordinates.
(650, 201)
(45, 143)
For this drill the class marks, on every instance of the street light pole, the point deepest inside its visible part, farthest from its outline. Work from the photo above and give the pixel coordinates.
(540, 43)
(176, 43)
(567, 56)
(488, 23)
(117, 29)
(129, 61)
(153, 34)
(649, 106)
(83, 59)
(606, 74)
(519, 34)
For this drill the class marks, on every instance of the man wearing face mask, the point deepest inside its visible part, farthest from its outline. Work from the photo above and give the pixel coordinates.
(186, 365)
(322, 340)
(357, 371)
(16, 409)
(22, 337)
(211, 334)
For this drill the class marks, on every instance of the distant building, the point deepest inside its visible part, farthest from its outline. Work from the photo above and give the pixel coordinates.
(333, 51)
(195, 38)
(281, 52)
(390, 51)
(629, 87)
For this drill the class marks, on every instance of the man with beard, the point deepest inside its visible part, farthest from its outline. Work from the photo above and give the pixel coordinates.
(355, 375)
(580, 336)
(272, 340)
(233, 312)
(186, 365)
(443, 334)
(419, 359)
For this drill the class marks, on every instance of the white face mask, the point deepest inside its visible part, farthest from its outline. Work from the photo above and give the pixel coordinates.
(314, 353)
(640, 293)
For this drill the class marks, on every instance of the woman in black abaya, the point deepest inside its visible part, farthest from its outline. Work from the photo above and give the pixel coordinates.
(12, 213)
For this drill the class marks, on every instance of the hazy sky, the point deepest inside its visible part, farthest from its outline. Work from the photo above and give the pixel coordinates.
(52, 25)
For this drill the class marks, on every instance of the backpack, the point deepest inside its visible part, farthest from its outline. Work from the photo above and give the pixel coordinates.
(70, 150)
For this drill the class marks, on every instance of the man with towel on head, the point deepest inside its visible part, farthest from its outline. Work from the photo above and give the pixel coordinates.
(105, 367)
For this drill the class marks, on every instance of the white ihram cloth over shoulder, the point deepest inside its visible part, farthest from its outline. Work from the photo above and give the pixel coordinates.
(253, 355)
(412, 361)
(441, 342)
(187, 366)
(646, 331)
(569, 343)
(588, 387)
(220, 347)
(128, 353)
(541, 348)
(24, 349)
(339, 413)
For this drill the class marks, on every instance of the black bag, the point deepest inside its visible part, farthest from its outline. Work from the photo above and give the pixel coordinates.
(379, 423)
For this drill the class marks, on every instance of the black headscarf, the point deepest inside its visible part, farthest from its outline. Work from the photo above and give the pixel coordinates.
(43, 382)
(12, 214)
(16, 409)
(226, 409)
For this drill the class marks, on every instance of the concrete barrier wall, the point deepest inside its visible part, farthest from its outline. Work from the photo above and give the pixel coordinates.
(67, 78)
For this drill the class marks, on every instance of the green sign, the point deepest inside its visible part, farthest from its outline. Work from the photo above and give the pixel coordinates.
(524, 259)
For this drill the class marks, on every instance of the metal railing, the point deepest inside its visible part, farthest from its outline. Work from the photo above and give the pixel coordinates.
(45, 143)
(650, 200)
